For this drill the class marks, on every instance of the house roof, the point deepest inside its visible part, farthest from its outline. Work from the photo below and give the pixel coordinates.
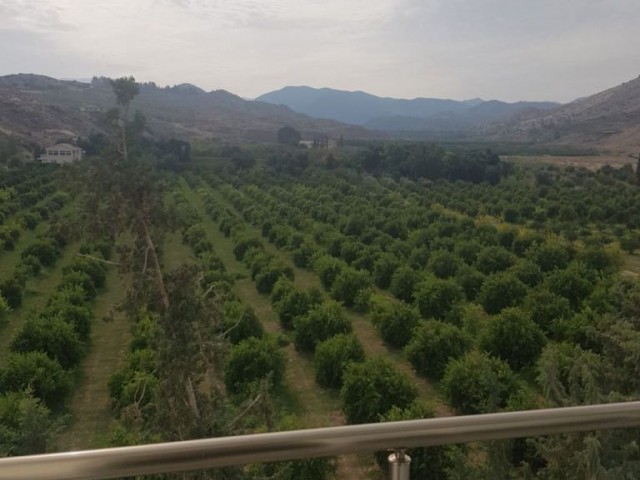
(64, 145)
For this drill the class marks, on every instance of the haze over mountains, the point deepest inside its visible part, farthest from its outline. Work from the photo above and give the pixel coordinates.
(391, 114)
(42, 109)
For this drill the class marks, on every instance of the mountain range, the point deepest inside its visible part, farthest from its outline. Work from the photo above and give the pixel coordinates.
(395, 115)
(42, 109)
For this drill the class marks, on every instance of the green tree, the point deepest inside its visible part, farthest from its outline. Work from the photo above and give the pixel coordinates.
(403, 283)
(296, 303)
(500, 291)
(289, 136)
(11, 291)
(383, 269)
(327, 268)
(444, 264)
(52, 336)
(372, 388)
(332, 357)
(348, 284)
(494, 259)
(513, 337)
(394, 320)
(478, 383)
(4, 310)
(322, 322)
(36, 371)
(27, 425)
(435, 298)
(433, 344)
(252, 360)
(546, 307)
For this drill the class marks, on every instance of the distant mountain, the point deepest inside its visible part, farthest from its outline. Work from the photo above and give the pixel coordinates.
(43, 109)
(609, 120)
(394, 115)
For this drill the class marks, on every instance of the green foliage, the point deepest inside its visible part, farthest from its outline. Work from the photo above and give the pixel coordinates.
(4, 310)
(289, 136)
(394, 320)
(571, 284)
(327, 268)
(253, 360)
(96, 271)
(348, 284)
(53, 336)
(403, 283)
(270, 274)
(295, 304)
(240, 322)
(45, 250)
(39, 373)
(435, 298)
(552, 255)
(546, 307)
(383, 269)
(444, 264)
(322, 322)
(78, 316)
(27, 425)
(478, 383)
(494, 259)
(11, 291)
(372, 388)
(333, 355)
(513, 337)
(433, 344)
(500, 291)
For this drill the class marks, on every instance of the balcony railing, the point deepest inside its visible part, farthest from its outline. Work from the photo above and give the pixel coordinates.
(319, 442)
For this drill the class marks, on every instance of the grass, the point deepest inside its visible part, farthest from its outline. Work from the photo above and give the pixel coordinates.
(175, 252)
(632, 264)
(91, 406)
(36, 294)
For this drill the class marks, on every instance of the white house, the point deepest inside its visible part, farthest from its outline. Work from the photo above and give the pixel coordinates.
(61, 153)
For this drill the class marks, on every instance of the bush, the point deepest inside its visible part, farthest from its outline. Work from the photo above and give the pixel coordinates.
(494, 259)
(78, 316)
(546, 307)
(322, 322)
(348, 283)
(332, 357)
(79, 279)
(435, 298)
(4, 310)
(240, 322)
(500, 291)
(45, 250)
(270, 274)
(11, 291)
(296, 303)
(372, 388)
(444, 264)
(94, 269)
(513, 337)
(253, 360)
(394, 320)
(478, 383)
(327, 269)
(433, 345)
(403, 283)
(53, 336)
(36, 371)
(27, 425)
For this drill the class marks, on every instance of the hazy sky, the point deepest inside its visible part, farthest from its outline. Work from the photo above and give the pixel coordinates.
(506, 49)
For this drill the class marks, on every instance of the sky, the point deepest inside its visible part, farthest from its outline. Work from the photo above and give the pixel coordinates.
(509, 50)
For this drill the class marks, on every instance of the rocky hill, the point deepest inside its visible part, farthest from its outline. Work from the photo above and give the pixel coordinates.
(43, 110)
(609, 120)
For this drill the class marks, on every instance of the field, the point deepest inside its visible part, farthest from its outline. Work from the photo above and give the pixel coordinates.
(298, 289)
(592, 162)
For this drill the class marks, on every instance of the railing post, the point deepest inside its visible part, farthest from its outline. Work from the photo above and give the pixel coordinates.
(399, 466)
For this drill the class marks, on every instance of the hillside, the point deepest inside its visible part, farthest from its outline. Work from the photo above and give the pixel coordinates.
(609, 120)
(42, 109)
(395, 115)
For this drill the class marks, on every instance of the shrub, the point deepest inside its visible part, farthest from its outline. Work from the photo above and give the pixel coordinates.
(433, 344)
(394, 320)
(36, 371)
(478, 383)
(11, 291)
(240, 322)
(372, 388)
(332, 357)
(296, 303)
(253, 360)
(322, 322)
(348, 283)
(500, 291)
(436, 298)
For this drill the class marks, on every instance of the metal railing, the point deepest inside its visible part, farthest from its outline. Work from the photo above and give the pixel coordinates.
(319, 442)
